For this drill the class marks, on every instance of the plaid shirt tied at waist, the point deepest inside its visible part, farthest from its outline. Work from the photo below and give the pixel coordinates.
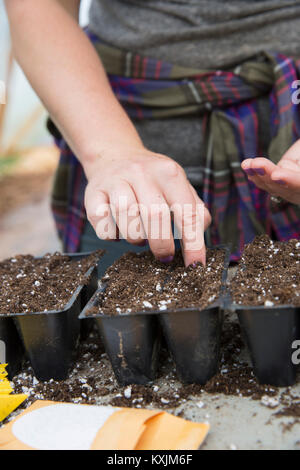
(149, 88)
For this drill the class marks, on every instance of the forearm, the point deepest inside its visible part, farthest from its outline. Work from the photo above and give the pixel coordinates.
(72, 7)
(66, 73)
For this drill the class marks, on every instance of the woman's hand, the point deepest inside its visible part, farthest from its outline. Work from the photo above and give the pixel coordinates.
(137, 191)
(282, 180)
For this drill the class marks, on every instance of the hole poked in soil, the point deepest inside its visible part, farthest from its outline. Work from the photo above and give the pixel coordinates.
(43, 284)
(138, 283)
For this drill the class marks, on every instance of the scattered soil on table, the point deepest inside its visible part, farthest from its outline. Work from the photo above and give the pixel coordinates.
(269, 274)
(288, 427)
(236, 377)
(92, 380)
(31, 284)
(138, 282)
(292, 410)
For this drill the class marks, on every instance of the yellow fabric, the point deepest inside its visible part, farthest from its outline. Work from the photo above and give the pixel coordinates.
(8, 403)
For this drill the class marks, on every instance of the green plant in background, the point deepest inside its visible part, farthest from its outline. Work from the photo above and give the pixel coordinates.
(8, 163)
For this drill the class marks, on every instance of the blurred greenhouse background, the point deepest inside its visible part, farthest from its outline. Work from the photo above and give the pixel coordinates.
(28, 159)
(24, 118)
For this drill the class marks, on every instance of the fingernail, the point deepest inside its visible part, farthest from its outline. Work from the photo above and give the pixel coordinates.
(250, 172)
(259, 171)
(167, 259)
(281, 182)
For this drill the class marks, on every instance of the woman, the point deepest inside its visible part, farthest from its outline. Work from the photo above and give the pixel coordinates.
(200, 82)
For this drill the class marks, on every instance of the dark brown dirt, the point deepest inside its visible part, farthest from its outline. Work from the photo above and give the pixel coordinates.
(194, 286)
(236, 377)
(30, 284)
(133, 284)
(92, 380)
(138, 282)
(292, 410)
(269, 274)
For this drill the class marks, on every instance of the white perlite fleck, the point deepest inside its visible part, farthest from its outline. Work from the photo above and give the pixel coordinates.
(147, 304)
(200, 404)
(163, 307)
(165, 401)
(127, 392)
(268, 303)
(270, 402)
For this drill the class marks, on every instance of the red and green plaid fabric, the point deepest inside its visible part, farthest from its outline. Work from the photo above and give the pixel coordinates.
(149, 89)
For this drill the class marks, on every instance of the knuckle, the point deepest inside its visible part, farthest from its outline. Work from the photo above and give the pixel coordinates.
(162, 251)
(171, 168)
(158, 211)
(120, 207)
(126, 209)
(191, 220)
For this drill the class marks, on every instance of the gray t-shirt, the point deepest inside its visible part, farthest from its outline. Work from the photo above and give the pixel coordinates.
(207, 34)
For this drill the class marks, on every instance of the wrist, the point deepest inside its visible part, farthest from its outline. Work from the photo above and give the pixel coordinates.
(91, 158)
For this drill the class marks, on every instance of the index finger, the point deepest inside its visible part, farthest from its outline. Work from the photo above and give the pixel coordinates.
(188, 218)
(258, 166)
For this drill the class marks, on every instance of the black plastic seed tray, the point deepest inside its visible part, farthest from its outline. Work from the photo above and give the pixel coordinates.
(48, 339)
(132, 341)
(270, 333)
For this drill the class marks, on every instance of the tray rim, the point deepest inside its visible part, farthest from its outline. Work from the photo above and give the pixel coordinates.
(240, 307)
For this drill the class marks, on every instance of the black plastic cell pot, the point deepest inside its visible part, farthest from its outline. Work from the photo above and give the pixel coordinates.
(193, 337)
(49, 338)
(132, 341)
(132, 344)
(270, 333)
